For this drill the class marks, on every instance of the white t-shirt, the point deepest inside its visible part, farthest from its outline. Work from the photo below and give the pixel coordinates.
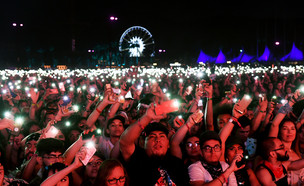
(104, 146)
(197, 172)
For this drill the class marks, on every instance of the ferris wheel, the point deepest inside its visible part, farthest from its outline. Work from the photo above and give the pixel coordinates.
(137, 41)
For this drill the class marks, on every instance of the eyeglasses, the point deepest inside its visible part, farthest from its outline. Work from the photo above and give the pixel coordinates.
(192, 145)
(53, 157)
(113, 181)
(217, 148)
(281, 148)
(94, 163)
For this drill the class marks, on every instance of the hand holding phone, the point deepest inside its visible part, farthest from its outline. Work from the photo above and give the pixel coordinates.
(167, 107)
(244, 103)
(90, 150)
(51, 133)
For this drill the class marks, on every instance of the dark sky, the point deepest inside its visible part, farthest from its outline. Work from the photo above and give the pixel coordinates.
(183, 28)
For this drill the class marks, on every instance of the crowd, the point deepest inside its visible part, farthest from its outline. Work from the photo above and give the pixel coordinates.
(194, 126)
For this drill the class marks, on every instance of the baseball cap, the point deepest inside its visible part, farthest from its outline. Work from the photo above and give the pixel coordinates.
(155, 126)
(119, 117)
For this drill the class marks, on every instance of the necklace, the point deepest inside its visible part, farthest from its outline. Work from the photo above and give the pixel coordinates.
(277, 171)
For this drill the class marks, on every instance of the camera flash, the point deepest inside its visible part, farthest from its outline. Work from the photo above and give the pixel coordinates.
(90, 144)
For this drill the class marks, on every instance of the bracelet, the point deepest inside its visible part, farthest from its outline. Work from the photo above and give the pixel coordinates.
(225, 180)
(188, 127)
(99, 111)
(140, 125)
(220, 181)
(262, 111)
(235, 121)
(209, 98)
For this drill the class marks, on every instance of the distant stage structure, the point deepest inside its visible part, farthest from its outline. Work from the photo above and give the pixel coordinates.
(136, 45)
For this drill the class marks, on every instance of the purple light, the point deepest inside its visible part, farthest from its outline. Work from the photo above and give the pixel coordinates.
(21, 24)
(294, 55)
(265, 55)
(89, 50)
(244, 58)
(14, 24)
(220, 58)
(277, 43)
(160, 50)
(204, 58)
(164, 50)
(93, 51)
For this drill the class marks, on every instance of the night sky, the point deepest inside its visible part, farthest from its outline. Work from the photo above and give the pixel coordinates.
(183, 28)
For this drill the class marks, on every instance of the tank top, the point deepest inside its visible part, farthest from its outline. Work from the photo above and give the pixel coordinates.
(283, 181)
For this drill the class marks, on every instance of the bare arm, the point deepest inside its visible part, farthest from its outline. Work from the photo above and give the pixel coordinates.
(179, 136)
(256, 121)
(55, 178)
(95, 114)
(132, 133)
(227, 129)
(209, 108)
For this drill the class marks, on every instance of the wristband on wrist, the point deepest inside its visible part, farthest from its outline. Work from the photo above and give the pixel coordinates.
(220, 181)
(140, 125)
(209, 98)
(235, 121)
(99, 111)
(262, 111)
(188, 127)
(225, 180)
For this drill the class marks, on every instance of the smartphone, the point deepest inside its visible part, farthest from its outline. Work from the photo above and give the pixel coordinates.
(198, 115)
(90, 151)
(16, 131)
(61, 87)
(167, 107)
(12, 93)
(66, 100)
(243, 161)
(274, 99)
(244, 103)
(54, 91)
(52, 132)
(262, 97)
(96, 132)
(200, 103)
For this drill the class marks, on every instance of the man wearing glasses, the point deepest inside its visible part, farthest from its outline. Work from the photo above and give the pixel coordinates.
(273, 170)
(210, 170)
(49, 151)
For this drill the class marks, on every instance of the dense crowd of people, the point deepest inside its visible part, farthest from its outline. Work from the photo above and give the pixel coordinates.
(155, 127)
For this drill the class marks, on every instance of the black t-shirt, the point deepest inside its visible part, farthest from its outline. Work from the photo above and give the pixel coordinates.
(143, 170)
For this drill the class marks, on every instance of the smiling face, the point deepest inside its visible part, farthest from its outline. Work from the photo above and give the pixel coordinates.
(288, 132)
(156, 144)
